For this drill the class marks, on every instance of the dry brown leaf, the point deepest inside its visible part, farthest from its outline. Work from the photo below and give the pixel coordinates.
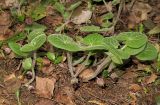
(45, 87)
(151, 79)
(134, 98)
(86, 73)
(96, 102)
(48, 69)
(83, 17)
(11, 3)
(45, 102)
(65, 96)
(134, 87)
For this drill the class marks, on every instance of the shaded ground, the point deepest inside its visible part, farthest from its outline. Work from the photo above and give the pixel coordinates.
(133, 86)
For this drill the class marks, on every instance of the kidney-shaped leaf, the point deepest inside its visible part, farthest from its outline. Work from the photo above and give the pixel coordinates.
(149, 53)
(34, 34)
(27, 64)
(132, 39)
(93, 42)
(36, 43)
(63, 42)
(112, 41)
(16, 49)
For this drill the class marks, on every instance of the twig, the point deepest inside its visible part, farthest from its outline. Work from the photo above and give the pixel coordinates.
(33, 72)
(99, 69)
(111, 67)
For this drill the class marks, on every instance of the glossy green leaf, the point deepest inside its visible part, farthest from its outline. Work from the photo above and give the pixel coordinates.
(16, 49)
(27, 64)
(132, 39)
(63, 42)
(36, 43)
(51, 56)
(93, 42)
(149, 53)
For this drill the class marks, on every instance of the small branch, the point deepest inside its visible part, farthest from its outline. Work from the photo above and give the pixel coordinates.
(33, 72)
(99, 69)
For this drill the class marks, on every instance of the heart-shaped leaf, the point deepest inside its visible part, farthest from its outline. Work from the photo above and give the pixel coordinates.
(63, 42)
(51, 56)
(149, 53)
(34, 34)
(112, 41)
(133, 51)
(132, 39)
(16, 49)
(36, 43)
(93, 42)
(27, 64)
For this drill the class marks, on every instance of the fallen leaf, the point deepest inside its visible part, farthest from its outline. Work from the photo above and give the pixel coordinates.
(45, 102)
(100, 81)
(45, 87)
(48, 69)
(134, 87)
(11, 3)
(83, 17)
(65, 96)
(133, 98)
(86, 73)
(96, 102)
(151, 79)
(155, 30)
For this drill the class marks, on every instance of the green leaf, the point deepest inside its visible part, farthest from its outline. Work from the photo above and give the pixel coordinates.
(112, 41)
(27, 64)
(63, 42)
(133, 51)
(51, 56)
(36, 43)
(132, 39)
(97, 0)
(115, 58)
(115, 2)
(16, 37)
(93, 42)
(149, 53)
(35, 26)
(74, 6)
(108, 16)
(16, 49)
(34, 34)
(58, 59)
(91, 28)
(105, 73)
(39, 12)
(59, 7)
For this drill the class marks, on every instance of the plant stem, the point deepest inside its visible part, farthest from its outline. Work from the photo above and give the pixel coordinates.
(79, 60)
(69, 59)
(33, 72)
(99, 69)
(111, 67)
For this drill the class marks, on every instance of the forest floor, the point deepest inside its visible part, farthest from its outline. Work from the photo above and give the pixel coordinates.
(135, 83)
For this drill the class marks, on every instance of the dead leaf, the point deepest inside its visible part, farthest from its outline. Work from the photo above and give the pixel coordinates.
(134, 98)
(151, 79)
(134, 87)
(65, 96)
(96, 102)
(83, 17)
(155, 30)
(100, 81)
(45, 102)
(138, 13)
(11, 3)
(45, 87)
(86, 73)
(48, 69)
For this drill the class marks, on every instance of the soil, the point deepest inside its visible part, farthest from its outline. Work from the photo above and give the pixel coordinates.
(129, 88)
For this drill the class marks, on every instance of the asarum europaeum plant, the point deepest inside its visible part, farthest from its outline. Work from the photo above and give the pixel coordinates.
(116, 48)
